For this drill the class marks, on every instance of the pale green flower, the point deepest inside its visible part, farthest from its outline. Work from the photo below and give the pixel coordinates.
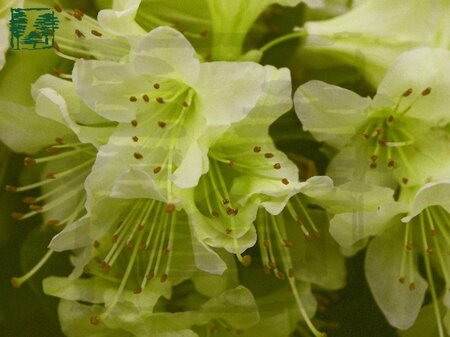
(57, 134)
(374, 34)
(170, 108)
(399, 136)
(415, 227)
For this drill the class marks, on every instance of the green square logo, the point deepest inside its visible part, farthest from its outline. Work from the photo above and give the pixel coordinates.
(32, 28)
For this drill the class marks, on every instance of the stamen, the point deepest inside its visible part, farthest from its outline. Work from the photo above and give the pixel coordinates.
(96, 33)
(426, 91)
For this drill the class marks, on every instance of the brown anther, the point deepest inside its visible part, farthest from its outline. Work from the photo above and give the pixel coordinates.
(232, 211)
(308, 237)
(115, 237)
(407, 92)
(160, 100)
(409, 246)
(79, 34)
(35, 208)
(288, 243)
(59, 140)
(57, 8)
(96, 33)
(9, 188)
(401, 280)
(166, 251)
(146, 98)
(215, 214)
(134, 122)
(56, 46)
(291, 272)
(246, 260)
(52, 222)
(95, 320)
(133, 99)
(225, 201)
(137, 290)
(78, 14)
(266, 270)
(142, 246)
(374, 157)
(373, 165)
(228, 231)
(156, 86)
(29, 200)
(281, 275)
(164, 278)
(162, 124)
(429, 250)
(390, 119)
(140, 227)
(204, 33)
(17, 215)
(27, 161)
(379, 131)
(106, 268)
(266, 243)
(412, 286)
(433, 232)
(156, 170)
(391, 163)
(138, 155)
(50, 175)
(51, 149)
(96, 244)
(366, 135)
(405, 180)
(185, 104)
(272, 265)
(257, 149)
(426, 91)
(277, 166)
(268, 155)
(170, 208)
(135, 139)
(231, 163)
(382, 142)
(130, 244)
(285, 181)
(150, 276)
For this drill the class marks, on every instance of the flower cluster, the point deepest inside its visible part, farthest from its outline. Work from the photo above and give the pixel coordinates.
(149, 153)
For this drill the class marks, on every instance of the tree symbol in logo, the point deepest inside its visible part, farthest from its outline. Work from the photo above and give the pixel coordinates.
(46, 24)
(18, 26)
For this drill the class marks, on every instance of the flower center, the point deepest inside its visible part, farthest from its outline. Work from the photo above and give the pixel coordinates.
(391, 136)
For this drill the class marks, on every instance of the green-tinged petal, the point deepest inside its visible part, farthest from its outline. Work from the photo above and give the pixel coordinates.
(379, 31)
(422, 326)
(166, 52)
(232, 89)
(355, 196)
(350, 228)
(120, 19)
(317, 261)
(332, 114)
(432, 194)
(399, 302)
(24, 131)
(237, 307)
(74, 322)
(418, 70)
(210, 285)
(57, 99)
